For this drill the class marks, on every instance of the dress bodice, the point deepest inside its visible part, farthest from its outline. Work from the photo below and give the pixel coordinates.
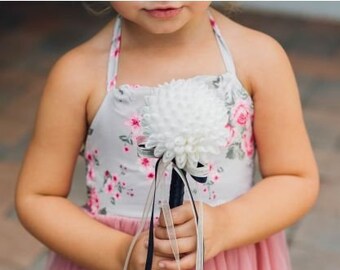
(118, 180)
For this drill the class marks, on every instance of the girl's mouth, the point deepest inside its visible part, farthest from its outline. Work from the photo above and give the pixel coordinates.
(164, 13)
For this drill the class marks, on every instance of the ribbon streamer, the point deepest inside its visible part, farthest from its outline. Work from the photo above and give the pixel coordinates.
(200, 175)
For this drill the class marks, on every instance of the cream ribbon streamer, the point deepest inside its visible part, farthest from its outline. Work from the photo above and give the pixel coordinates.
(160, 182)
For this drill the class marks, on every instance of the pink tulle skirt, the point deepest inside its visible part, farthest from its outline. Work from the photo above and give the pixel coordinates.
(269, 254)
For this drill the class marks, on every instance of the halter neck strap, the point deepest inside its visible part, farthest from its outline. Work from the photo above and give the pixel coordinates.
(117, 38)
(225, 51)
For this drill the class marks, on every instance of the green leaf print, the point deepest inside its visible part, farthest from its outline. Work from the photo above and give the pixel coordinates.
(103, 211)
(90, 131)
(235, 151)
(126, 139)
(113, 201)
(240, 153)
(231, 153)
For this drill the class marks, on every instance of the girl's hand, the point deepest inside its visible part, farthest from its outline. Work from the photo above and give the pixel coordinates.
(139, 254)
(184, 222)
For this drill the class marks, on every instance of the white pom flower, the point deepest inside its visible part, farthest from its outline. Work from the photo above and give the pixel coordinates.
(184, 120)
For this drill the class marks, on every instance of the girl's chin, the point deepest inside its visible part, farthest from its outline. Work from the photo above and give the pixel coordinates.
(160, 31)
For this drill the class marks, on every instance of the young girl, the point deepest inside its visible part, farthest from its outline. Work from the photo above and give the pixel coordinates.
(94, 96)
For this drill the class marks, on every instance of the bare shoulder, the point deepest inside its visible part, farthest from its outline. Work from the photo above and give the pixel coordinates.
(80, 74)
(80, 68)
(255, 53)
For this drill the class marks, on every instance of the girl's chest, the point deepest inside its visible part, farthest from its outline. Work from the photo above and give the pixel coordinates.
(154, 67)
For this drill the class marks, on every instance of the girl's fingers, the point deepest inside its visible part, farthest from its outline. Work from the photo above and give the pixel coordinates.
(180, 214)
(163, 247)
(155, 262)
(186, 229)
(186, 262)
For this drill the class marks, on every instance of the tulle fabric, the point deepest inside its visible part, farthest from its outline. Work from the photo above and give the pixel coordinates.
(269, 254)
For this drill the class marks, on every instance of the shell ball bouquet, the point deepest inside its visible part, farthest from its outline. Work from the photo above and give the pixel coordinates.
(184, 121)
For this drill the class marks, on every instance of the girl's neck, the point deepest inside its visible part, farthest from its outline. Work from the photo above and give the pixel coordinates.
(194, 32)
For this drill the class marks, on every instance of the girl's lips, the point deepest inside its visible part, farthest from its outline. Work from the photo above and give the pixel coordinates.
(164, 12)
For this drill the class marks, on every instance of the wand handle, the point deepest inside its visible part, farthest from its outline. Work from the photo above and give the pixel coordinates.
(176, 190)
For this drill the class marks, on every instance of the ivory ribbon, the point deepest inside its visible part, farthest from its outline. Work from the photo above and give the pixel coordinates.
(198, 174)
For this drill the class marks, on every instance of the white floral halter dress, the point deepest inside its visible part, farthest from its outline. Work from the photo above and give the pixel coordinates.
(118, 180)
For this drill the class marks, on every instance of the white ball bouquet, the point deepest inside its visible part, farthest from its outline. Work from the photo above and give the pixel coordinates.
(184, 120)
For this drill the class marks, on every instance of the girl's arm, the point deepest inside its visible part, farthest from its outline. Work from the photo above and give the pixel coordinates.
(46, 174)
(290, 181)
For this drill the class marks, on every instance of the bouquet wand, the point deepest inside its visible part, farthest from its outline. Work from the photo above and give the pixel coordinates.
(183, 123)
